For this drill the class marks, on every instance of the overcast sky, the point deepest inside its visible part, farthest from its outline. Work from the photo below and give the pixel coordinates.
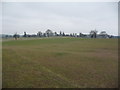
(60, 16)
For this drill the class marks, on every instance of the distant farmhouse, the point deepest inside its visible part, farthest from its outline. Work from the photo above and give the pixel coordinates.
(103, 34)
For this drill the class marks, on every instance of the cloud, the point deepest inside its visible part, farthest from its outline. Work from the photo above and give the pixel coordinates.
(67, 17)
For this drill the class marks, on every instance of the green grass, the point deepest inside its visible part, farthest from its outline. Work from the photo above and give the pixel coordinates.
(60, 63)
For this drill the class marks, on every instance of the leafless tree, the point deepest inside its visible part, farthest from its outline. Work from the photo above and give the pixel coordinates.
(93, 33)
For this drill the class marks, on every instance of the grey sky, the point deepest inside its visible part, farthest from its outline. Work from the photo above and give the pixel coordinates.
(60, 16)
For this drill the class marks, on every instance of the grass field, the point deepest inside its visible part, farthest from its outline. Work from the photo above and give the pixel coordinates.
(60, 63)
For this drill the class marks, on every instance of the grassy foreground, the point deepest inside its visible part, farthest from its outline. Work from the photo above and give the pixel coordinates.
(60, 63)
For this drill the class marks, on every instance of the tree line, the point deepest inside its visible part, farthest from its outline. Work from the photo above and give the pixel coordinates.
(49, 33)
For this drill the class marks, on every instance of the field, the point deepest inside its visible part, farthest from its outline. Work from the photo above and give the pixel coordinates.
(60, 63)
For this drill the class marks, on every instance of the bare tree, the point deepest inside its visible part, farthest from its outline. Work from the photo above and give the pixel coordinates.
(39, 34)
(80, 35)
(60, 33)
(16, 36)
(93, 33)
(55, 33)
(25, 35)
(63, 34)
(49, 33)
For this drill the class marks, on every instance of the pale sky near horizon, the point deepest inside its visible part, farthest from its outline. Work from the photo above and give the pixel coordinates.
(70, 17)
